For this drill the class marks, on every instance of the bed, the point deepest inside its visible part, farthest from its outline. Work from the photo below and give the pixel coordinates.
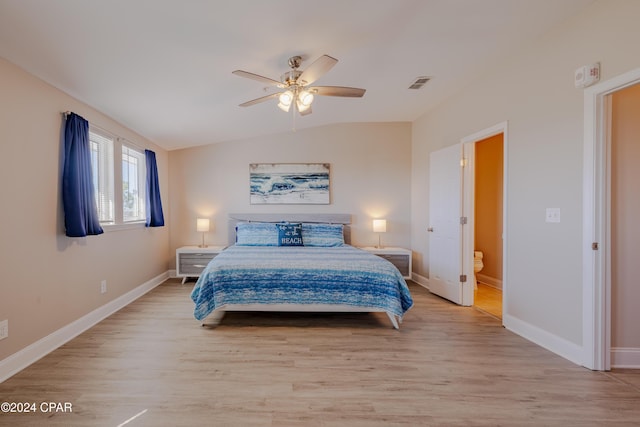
(315, 270)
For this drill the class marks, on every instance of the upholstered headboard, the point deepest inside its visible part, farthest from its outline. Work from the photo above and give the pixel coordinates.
(344, 219)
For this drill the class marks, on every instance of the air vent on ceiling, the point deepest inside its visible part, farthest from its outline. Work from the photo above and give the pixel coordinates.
(419, 82)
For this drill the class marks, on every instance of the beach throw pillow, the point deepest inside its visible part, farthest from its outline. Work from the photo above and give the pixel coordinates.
(289, 234)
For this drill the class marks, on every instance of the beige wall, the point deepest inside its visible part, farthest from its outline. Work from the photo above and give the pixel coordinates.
(370, 177)
(533, 90)
(625, 211)
(488, 207)
(49, 280)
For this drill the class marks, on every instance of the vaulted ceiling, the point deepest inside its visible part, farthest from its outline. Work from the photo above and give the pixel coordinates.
(164, 67)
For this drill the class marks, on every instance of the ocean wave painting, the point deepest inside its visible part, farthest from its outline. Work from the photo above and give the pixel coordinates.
(289, 183)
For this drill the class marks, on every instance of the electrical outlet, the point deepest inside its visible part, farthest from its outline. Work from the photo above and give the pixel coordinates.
(103, 287)
(4, 329)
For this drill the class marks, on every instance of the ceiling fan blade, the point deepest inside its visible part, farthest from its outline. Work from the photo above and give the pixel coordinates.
(257, 77)
(316, 70)
(259, 100)
(352, 92)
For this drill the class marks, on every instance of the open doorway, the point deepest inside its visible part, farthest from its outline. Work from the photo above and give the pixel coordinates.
(488, 208)
(452, 219)
(601, 232)
(484, 209)
(604, 214)
(624, 208)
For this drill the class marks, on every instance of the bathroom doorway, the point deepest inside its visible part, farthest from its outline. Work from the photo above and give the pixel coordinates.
(488, 223)
(457, 203)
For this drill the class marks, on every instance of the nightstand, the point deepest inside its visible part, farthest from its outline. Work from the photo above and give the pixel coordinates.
(399, 257)
(191, 260)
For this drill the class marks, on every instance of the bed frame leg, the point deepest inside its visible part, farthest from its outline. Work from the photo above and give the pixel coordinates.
(214, 318)
(394, 321)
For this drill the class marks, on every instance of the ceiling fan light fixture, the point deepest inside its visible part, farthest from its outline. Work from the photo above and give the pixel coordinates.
(301, 106)
(283, 107)
(305, 98)
(285, 99)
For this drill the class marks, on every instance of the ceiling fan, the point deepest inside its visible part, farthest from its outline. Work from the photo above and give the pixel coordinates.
(296, 85)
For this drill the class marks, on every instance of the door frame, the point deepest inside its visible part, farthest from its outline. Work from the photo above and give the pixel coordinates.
(468, 208)
(596, 227)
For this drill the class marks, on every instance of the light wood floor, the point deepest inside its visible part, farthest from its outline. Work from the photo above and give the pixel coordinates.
(447, 365)
(488, 299)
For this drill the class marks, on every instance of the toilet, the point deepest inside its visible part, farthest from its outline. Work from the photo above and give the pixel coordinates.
(477, 266)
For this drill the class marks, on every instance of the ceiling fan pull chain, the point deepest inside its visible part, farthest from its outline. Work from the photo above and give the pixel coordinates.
(293, 114)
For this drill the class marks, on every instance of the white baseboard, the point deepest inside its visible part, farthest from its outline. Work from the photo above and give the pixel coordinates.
(488, 280)
(420, 280)
(34, 352)
(553, 343)
(560, 346)
(624, 357)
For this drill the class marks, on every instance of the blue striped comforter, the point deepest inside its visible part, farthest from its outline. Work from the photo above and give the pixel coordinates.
(300, 275)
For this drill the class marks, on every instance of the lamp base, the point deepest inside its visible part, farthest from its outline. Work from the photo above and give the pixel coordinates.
(203, 245)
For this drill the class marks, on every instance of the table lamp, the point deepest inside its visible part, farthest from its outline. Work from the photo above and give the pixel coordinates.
(379, 226)
(202, 225)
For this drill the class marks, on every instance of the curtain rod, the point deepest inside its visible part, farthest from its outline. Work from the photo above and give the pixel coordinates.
(119, 138)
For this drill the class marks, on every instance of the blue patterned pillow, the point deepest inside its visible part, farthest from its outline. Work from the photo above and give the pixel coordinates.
(256, 234)
(322, 234)
(289, 234)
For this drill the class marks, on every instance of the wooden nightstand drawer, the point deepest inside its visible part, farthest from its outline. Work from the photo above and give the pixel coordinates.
(192, 260)
(399, 257)
(194, 263)
(400, 261)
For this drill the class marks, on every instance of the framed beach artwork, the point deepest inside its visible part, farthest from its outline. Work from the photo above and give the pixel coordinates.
(289, 183)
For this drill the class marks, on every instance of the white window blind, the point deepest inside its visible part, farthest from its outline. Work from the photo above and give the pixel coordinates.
(133, 184)
(102, 168)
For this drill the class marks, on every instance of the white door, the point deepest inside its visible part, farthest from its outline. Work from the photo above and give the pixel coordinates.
(445, 228)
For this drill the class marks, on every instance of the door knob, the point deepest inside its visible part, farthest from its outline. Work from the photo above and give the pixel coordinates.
(430, 229)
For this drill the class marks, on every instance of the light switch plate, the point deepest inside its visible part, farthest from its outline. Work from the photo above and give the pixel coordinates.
(553, 215)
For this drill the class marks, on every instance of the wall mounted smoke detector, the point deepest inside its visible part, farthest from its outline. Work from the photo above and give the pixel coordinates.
(587, 75)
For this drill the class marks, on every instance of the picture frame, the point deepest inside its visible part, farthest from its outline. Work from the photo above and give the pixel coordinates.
(289, 183)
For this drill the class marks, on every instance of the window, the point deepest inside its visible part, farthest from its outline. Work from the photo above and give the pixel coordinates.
(119, 179)
(102, 167)
(133, 185)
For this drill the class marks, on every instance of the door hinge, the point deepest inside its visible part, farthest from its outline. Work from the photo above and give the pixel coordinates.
(463, 220)
(595, 246)
(463, 278)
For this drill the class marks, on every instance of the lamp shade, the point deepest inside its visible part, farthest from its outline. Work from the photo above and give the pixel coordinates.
(202, 224)
(305, 98)
(379, 225)
(285, 98)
